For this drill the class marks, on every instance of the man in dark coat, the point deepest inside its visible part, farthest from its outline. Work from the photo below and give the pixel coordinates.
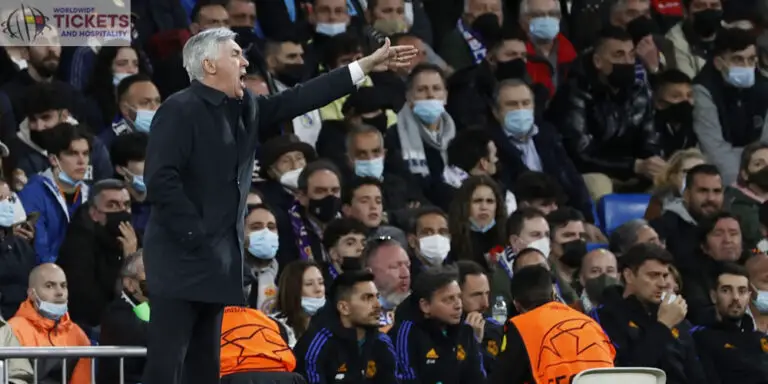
(198, 172)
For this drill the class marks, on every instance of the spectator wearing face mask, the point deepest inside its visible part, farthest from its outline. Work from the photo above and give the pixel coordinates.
(261, 246)
(598, 271)
(475, 303)
(137, 102)
(99, 237)
(633, 232)
(300, 294)
(568, 247)
(694, 37)
(618, 147)
(462, 47)
(673, 102)
(128, 153)
(730, 104)
(344, 240)
(59, 191)
(526, 228)
(757, 268)
(670, 184)
(429, 238)
(654, 53)
(17, 257)
(124, 321)
(732, 350)
(477, 222)
(750, 190)
(43, 321)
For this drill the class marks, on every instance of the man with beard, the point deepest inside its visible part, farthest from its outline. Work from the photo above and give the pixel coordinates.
(702, 198)
(732, 350)
(673, 102)
(43, 63)
(389, 262)
(343, 344)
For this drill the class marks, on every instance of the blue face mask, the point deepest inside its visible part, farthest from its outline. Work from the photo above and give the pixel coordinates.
(7, 214)
(66, 179)
(476, 228)
(263, 244)
(761, 303)
(741, 77)
(518, 123)
(50, 310)
(311, 305)
(428, 111)
(118, 77)
(544, 28)
(137, 182)
(144, 120)
(370, 168)
(331, 29)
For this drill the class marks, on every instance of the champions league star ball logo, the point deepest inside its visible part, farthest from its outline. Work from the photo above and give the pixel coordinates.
(25, 23)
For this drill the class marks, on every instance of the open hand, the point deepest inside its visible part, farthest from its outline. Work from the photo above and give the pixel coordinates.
(127, 238)
(391, 57)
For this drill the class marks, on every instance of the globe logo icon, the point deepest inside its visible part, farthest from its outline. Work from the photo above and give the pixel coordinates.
(25, 24)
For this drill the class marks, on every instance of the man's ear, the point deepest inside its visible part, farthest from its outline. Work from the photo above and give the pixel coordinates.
(413, 242)
(53, 161)
(713, 295)
(343, 308)
(424, 306)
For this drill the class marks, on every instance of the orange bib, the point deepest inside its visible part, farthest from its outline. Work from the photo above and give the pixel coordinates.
(251, 341)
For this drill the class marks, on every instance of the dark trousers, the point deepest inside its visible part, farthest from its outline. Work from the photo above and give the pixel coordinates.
(184, 342)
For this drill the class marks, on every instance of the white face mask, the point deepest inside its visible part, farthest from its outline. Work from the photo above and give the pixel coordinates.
(311, 305)
(435, 248)
(51, 310)
(542, 245)
(290, 179)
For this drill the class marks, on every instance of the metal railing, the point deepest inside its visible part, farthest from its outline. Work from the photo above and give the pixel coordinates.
(36, 353)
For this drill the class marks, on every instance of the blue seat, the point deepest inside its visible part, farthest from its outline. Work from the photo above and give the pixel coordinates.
(616, 209)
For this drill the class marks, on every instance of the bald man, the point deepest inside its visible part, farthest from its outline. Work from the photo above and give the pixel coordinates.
(757, 267)
(599, 270)
(43, 321)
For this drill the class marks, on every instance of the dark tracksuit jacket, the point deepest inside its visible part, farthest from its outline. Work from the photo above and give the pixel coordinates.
(431, 353)
(642, 341)
(733, 352)
(490, 347)
(329, 353)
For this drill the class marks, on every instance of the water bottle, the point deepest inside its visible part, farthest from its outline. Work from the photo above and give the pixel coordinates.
(499, 311)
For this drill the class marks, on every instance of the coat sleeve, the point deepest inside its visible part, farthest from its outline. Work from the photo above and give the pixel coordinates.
(489, 348)
(475, 372)
(19, 370)
(102, 165)
(387, 370)
(82, 372)
(408, 359)
(311, 360)
(645, 351)
(513, 365)
(34, 202)
(315, 93)
(706, 125)
(78, 259)
(695, 370)
(168, 152)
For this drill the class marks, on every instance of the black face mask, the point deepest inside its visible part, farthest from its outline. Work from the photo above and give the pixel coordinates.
(573, 252)
(513, 69)
(759, 178)
(349, 264)
(641, 27)
(113, 222)
(41, 138)
(679, 113)
(488, 27)
(291, 74)
(706, 22)
(325, 209)
(379, 122)
(595, 287)
(622, 76)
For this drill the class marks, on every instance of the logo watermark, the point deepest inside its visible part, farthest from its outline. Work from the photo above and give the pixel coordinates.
(68, 22)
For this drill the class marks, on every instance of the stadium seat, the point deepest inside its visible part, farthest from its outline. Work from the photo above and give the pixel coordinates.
(633, 375)
(616, 209)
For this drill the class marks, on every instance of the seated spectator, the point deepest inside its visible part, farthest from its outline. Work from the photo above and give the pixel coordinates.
(343, 240)
(633, 232)
(43, 321)
(598, 271)
(527, 257)
(318, 201)
(538, 190)
(654, 52)
(300, 294)
(702, 199)
(673, 102)
(694, 36)
(524, 227)
(275, 17)
(432, 341)
(16, 253)
(125, 320)
(720, 241)
(606, 118)
(59, 191)
(330, 18)
(423, 132)
(48, 107)
(550, 53)
(388, 261)
(99, 237)
(112, 65)
(137, 101)
(659, 337)
(729, 102)
(428, 238)
(343, 342)
(669, 185)
(757, 268)
(255, 81)
(526, 145)
(477, 222)
(361, 200)
(527, 334)
(128, 153)
(732, 349)
(261, 245)
(471, 153)
(750, 191)
(567, 248)
(475, 303)
(461, 47)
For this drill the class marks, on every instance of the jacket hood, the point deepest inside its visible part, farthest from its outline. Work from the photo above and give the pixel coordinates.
(25, 137)
(676, 206)
(28, 311)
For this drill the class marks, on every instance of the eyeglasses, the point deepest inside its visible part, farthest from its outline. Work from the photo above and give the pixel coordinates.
(372, 244)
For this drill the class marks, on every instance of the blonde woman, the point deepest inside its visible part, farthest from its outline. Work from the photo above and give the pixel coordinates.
(670, 183)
